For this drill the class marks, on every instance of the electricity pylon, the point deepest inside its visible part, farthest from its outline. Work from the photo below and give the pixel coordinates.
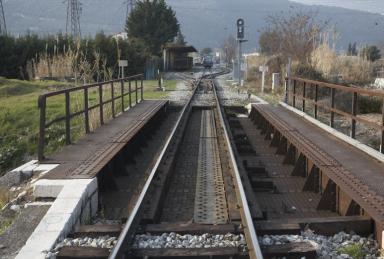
(130, 6)
(3, 26)
(73, 18)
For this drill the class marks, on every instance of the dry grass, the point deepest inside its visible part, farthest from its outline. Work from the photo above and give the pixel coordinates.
(351, 69)
(4, 196)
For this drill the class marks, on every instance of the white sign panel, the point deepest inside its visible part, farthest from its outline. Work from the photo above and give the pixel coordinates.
(123, 63)
(263, 69)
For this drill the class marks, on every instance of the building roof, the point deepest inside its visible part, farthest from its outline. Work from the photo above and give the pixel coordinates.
(180, 48)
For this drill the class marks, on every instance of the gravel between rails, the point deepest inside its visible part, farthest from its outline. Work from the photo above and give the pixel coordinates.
(329, 247)
(97, 242)
(173, 240)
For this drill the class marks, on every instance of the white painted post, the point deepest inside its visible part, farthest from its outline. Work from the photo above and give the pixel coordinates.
(288, 82)
(263, 70)
(262, 81)
(275, 82)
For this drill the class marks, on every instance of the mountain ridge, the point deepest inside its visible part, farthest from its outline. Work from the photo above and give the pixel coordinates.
(204, 22)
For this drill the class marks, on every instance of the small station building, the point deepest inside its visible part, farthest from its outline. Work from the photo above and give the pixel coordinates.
(178, 57)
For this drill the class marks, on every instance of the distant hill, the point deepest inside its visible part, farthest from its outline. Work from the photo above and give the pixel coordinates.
(204, 22)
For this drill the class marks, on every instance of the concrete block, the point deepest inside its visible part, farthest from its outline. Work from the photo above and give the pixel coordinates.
(94, 204)
(74, 202)
(66, 206)
(54, 222)
(73, 192)
(47, 188)
(18, 175)
(42, 241)
(86, 213)
(44, 168)
(35, 254)
(11, 178)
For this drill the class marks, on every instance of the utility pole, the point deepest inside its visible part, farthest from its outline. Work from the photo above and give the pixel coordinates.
(73, 18)
(3, 26)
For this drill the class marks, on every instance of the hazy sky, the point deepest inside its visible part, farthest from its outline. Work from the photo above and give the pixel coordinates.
(375, 6)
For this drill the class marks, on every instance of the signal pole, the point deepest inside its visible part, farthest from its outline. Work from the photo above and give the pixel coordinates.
(240, 39)
(3, 26)
(73, 18)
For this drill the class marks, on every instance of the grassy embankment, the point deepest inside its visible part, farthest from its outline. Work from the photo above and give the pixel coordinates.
(19, 116)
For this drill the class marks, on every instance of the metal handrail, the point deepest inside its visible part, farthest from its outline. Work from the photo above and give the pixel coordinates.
(296, 82)
(68, 115)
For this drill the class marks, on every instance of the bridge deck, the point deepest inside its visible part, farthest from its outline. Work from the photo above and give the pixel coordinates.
(90, 154)
(360, 175)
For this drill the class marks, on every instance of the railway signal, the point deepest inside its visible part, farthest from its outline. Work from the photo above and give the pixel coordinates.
(240, 39)
(240, 29)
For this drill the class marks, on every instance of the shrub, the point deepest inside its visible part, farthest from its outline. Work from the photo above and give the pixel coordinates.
(355, 250)
(307, 71)
(369, 104)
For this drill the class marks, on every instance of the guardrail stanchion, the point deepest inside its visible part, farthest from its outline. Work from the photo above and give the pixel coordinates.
(294, 94)
(304, 87)
(286, 94)
(101, 104)
(136, 91)
(333, 91)
(86, 111)
(130, 94)
(354, 113)
(113, 100)
(316, 99)
(122, 95)
(382, 130)
(67, 119)
(142, 88)
(42, 104)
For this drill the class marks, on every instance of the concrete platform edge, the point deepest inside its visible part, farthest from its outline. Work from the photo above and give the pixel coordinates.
(76, 201)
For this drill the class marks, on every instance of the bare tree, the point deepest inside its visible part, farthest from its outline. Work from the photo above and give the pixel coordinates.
(292, 36)
(229, 48)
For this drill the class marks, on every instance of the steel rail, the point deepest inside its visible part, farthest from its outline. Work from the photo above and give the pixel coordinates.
(126, 234)
(249, 228)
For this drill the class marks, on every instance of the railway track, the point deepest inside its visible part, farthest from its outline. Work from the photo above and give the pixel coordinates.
(193, 203)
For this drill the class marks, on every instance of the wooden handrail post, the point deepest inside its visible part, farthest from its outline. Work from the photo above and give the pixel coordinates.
(113, 100)
(382, 131)
(101, 104)
(67, 119)
(316, 99)
(286, 94)
(294, 94)
(130, 94)
(86, 111)
(354, 113)
(333, 91)
(122, 95)
(136, 91)
(42, 104)
(304, 87)
(142, 88)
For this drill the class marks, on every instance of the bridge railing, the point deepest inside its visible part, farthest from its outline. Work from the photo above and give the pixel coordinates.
(105, 94)
(335, 99)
